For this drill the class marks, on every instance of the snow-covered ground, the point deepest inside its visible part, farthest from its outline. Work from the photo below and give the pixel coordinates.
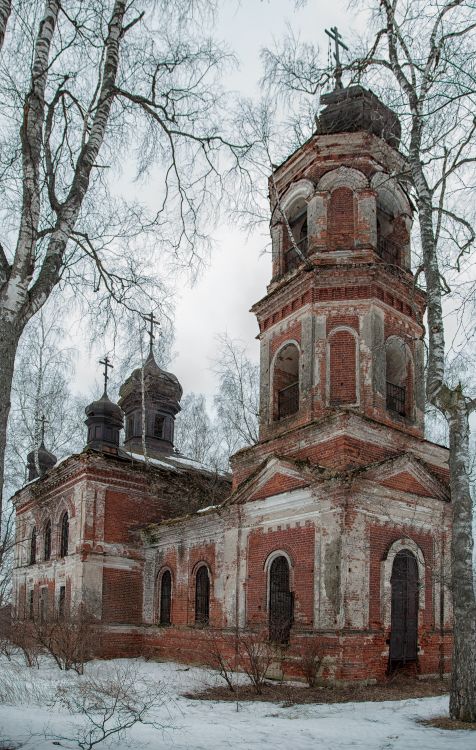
(34, 719)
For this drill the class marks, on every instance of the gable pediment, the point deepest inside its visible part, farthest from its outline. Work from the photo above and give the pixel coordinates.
(275, 477)
(409, 475)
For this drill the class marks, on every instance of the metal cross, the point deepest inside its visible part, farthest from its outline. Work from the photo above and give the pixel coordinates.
(107, 363)
(152, 321)
(43, 421)
(336, 38)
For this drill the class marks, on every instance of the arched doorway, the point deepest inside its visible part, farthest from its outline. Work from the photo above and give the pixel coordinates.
(280, 601)
(404, 618)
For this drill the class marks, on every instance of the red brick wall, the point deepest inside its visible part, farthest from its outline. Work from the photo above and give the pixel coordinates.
(123, 511)
(122, 596)
(298, 543)
(341, 224)
(381, 538)
(342, 368)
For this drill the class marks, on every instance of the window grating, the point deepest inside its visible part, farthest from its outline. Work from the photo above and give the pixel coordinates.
(288, 400)
(64, 535)
(33, 547)
(281, 603)
(202, 596)
(396, 396)
(47, 541)
(165, 598)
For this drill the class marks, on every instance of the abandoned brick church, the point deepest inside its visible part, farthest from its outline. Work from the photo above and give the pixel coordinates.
(336, 525)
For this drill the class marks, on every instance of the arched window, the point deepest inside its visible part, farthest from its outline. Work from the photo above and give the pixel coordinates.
(404, 617)
(33, 546)
(297, 219)
(398, 377)
(202, 596)
(342, 352)
(280, 601)
(340, 221)
(165, 599)
(286, 382)
(64, 534)
(47, 540)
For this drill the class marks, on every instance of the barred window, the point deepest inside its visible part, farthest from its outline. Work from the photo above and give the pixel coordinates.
(33, 547)
(64, 538)
(165, 598)
(47, 541)
(281, 602)
(202, 596)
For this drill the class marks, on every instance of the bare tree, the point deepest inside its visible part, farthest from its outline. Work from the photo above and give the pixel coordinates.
(256, 654)
(422, 60)
(237, 399)
(42, 401)
(109, 701)
(82, 82)
(196, 434)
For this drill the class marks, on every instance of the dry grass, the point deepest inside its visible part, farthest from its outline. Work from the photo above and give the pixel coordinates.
(444, 722)
(289, 694)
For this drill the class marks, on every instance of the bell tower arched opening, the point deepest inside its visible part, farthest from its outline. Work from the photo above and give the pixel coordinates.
(297, 220)
(286, 382)
(399, 377)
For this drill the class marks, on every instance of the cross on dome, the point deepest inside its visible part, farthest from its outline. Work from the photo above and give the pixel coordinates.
(333, 34)
(107, 364)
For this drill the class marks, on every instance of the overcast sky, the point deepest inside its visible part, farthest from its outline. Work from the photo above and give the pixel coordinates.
(238, 272)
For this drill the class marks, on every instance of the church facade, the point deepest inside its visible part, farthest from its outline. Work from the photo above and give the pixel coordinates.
(336, 528)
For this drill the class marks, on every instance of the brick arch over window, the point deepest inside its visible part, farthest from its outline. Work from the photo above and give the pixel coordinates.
(342, 367)
(285, 379)
(399, 377)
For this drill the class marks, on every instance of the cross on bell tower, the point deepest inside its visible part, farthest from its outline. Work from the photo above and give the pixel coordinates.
(334, 35)
(107, 364)
(151, 320)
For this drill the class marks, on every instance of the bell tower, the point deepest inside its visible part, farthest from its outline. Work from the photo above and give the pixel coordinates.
(341, 323)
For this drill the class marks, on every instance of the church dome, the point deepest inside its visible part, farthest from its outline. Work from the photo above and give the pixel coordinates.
(162, 394)
(104, 420)
(46, 461)
(165, 384)
(357, 108)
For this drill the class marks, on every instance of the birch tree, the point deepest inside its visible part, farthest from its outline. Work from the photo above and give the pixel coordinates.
(422, 61)
(85, 86)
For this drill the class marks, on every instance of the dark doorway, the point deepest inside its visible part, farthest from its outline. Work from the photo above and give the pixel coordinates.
(280, 601)
(165, 598)
(404, 633)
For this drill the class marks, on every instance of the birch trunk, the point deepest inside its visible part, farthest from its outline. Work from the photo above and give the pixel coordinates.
(9, 338)
(463, 684)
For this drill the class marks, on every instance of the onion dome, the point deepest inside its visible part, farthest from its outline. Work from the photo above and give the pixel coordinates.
(46, 461)
(356, 108)
(104, 420)
(162, 394)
